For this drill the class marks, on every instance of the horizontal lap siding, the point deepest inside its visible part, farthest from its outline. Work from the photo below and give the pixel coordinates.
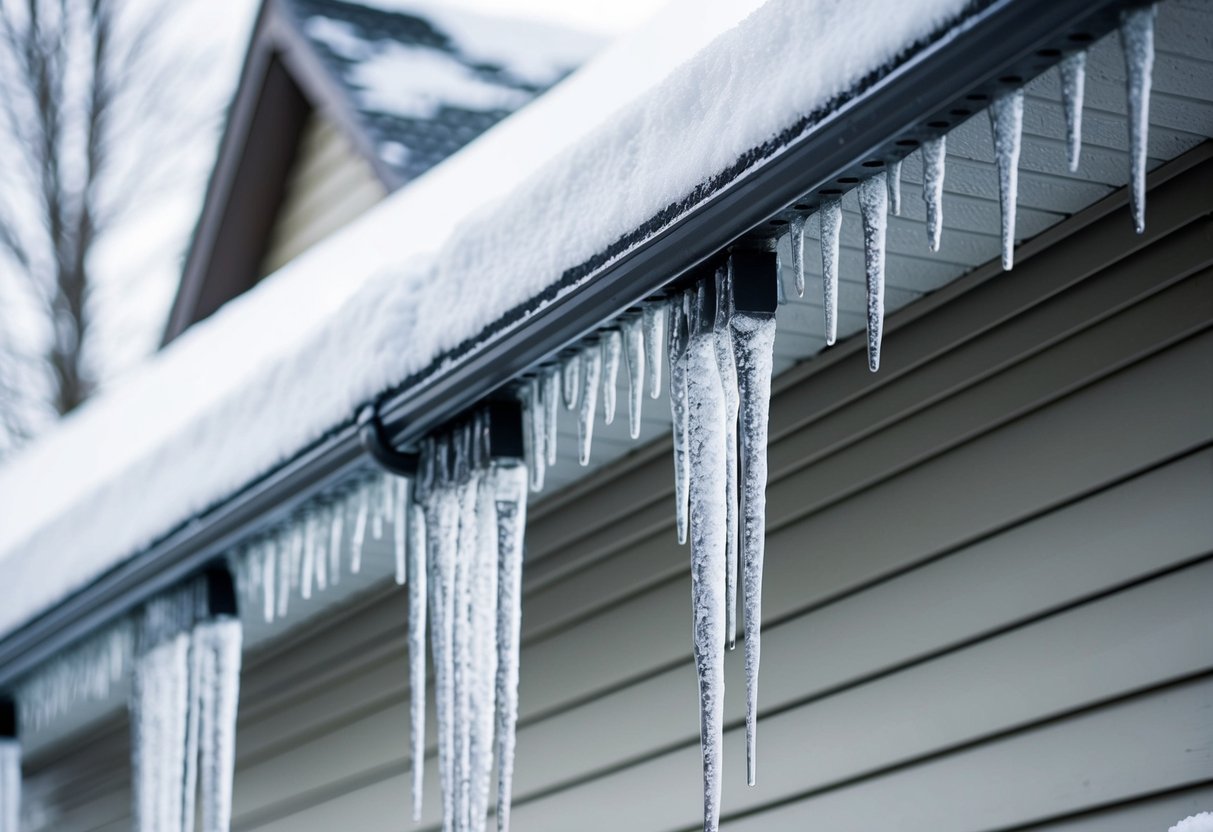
(985, 602)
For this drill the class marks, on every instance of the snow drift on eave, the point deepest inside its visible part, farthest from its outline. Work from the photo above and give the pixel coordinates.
(571, 196)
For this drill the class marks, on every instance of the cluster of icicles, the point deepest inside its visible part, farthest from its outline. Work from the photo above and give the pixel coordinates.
(881, 193)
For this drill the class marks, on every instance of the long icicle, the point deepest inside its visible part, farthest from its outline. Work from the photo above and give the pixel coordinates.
(654, 336)
(400, 529)
(218, 722)
(10, 785)
(1073, 71)
(754, 344)
(1137, 41)
(484, 611)
(511, 526)
(831, 234)
(873, 208)
(705, 449)
(418, 585)
(551, 395)
(467, 489)
(795, 238)
(442, 530)
(591, 375)
(536, 414)
(895, 188)
(612, 355)
(571, 380)
(934, 154)
(633, 348)
(1006, 122)
(727, 367)
(676, 353)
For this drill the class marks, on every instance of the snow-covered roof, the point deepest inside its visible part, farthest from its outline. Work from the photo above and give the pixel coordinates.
(424, 81)
(626, 143)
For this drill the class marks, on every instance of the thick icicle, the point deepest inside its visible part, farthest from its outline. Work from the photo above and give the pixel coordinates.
(705, 450)
(795, 238)
(873, 208)
(1006, 121)
(467, 488)
(1137, 41)
(418, 586)
(511, 526)
(727, 366)
(934, 153)
(831, 235)
(442, 540)
(754, 344)
(654, 334)
(1073, 81)
(676, 353)
(484, 649)
(591, 375)
(551, 393)
(571, 383)
(895, 188)
(10, 785)
(633, 347)
(193, 729)
(221, 639)
(612, 354)
(535, 433)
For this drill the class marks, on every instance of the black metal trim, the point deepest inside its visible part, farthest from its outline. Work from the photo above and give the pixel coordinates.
(376, 443)
(892, 111)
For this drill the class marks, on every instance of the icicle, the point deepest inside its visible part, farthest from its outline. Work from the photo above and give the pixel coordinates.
(676, 353)
(1137, 41)
(654, 334)
(484, 649)
(336, 532)
(220, 695)
(309, 555)
(727, 367)
(1073, 81)
(321, 561)
(1006, 121)
(399, 527)
(895, 188)
(10, 785)
(359, 539)
(934, 152)
(551, 392)
(571, 384)
(633, 343)
(442, 543)
(467, 485)
(193, 730)
(535, 436)
(754, 344)
(418, 587)
(795, 238)
(511, 526)
(873, 207)
(705, 450)
(831, 232)
(284, 575)
(591, 373)
(612, 353)
(269, 580)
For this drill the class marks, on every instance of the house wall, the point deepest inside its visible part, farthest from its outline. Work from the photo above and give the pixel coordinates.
(330, 185)
(986, 603)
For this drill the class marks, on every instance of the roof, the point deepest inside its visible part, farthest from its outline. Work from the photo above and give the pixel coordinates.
(407, 85)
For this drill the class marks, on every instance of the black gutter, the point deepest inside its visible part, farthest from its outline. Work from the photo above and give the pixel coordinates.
(935, 86)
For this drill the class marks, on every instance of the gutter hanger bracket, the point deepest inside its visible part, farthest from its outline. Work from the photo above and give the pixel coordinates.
(374, 441)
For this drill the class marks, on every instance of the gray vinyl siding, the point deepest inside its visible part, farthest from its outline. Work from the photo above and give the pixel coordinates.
(986, 602)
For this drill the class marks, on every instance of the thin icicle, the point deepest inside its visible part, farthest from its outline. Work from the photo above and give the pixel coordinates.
(269, 579)
(511, 526)
(633, 347)
(284, 577)
(309, 554)
(831, 234)
(336, 535)
(399, 527)
(895, 188)
(193, 728)
(676, 353)
(795, 238)
(442, 541)
(612, 354)
(551, 393)
(571, 380)
(1137, 41)
(360, 521)
(1073, 72)
(705, 450)
(534, 432)
(484, 649)
(418, 587)
(654, 335)
(727, 367)
(220, 697)
(10, 785)
(754, 344)
(873, 207)
(1006, 121)
(934, 153)
(591, 375)
(467, 489)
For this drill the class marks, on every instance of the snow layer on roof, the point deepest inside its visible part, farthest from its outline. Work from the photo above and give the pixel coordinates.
(482, 234)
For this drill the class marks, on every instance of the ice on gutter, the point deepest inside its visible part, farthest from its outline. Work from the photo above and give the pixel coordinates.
(595, 159)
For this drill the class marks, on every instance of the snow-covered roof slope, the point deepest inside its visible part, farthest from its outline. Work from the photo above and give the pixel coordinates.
(626, 143)
(425, 81)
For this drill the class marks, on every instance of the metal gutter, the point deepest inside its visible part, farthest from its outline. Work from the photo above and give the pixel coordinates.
(998, 46)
